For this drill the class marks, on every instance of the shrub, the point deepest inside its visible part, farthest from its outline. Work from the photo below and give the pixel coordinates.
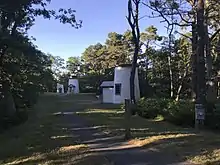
(213, 118)
(180, 113)
(150, 108)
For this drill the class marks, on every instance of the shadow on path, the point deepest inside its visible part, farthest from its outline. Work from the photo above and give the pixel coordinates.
(114, 148)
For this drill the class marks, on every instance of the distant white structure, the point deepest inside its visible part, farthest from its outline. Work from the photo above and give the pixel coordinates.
(73, 86)
(60, 88)
(118, 90)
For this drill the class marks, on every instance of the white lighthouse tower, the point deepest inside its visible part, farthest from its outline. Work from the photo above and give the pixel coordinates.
(73, 85)
(122, 84)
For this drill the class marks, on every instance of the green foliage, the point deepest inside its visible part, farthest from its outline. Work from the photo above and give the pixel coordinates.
(98, 61)
(25, 71)
(213, 118)
(75, 66)
(151, 107)
(116, 50)
(57, 65)
(179, 113)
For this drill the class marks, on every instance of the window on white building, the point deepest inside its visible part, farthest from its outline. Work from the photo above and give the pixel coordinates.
(117, 89)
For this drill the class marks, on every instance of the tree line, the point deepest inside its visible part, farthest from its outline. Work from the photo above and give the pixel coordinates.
(25, 71)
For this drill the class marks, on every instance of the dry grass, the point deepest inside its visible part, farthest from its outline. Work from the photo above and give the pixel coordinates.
(207, 158)
(156, 139)
(32, 158)
(73, 148)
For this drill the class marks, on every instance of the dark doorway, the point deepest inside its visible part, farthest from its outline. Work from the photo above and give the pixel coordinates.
(60, 90)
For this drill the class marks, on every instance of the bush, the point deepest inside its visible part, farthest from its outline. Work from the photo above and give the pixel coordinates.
(150, 108)
(213, 118)
(9, 121)
(180, 113)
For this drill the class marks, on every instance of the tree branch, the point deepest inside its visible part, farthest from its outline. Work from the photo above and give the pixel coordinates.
(167, 14)
(184, 35)
(189, 22)
(214, 35)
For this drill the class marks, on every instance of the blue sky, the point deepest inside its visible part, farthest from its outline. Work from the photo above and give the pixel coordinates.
(99, 18)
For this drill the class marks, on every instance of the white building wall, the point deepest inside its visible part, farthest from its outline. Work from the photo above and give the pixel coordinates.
(74, 82)
(107, 95)
(122, 76)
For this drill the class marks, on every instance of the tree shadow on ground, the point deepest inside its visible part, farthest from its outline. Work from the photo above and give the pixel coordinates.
(163, 152)
(50, 127)
(42, 133)
(56, 126)
(201, 147)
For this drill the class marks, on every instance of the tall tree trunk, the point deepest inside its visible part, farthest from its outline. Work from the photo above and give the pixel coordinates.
(133, 20)
(171, 76)
(208, 52)
(200, 54)
(181, 83)
(133, 72)
(169, 62)
(194, 59)
(148, 90)
(211, 93)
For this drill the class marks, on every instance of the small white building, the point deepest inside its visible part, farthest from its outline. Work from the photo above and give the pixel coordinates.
(60, 88)
(118, 90)
(107, 91)
(73, 86)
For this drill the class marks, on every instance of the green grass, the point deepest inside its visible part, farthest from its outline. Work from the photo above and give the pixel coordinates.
(201, 148)
(46, 137)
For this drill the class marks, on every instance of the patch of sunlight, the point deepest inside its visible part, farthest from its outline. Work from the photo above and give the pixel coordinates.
(100, 111)
(138, 129)
(153, 139)
(159, 118)
(73, 148)
(88, 128)
(206, 157)
(63, 136)
(34, 157)
(63, 113)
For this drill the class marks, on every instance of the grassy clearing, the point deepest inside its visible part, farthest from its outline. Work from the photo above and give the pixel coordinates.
(46, 137)
(199, 148)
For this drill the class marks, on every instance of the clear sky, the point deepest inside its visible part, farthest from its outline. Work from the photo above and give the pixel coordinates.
(99, 18)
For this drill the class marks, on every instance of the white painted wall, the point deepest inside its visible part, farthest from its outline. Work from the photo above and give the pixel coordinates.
(107, 95)
(74, 82)
(122, 76)
(60, 86)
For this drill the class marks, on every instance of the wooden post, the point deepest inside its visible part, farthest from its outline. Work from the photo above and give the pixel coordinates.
(127, 119)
